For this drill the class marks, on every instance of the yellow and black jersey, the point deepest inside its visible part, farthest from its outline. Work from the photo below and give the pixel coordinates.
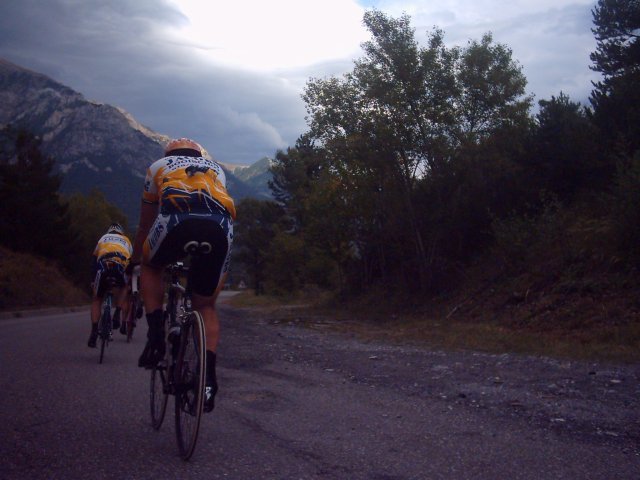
(114, 247)
(184, 185)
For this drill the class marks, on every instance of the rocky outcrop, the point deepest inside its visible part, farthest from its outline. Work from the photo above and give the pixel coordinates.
(74, 131)
(94, 145)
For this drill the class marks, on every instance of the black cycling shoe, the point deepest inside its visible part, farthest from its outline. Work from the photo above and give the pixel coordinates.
(211, 383)
(155, 347)
(144, 360)
(151, 355)
(116, 320)
(93, 337)
(209, 398)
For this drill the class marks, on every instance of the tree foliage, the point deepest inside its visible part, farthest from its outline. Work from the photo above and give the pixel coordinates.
(565, 159)
(33, 218)
(616, 25)
(625, 213)
(616, 98)
(258, 224)
(425, 157)
(90, 215)
(396, 131)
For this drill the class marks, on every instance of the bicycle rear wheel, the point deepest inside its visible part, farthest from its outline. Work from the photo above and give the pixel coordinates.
(103, 328)
(158, 394)
(190, 384)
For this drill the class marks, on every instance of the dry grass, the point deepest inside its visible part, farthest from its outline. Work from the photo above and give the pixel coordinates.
(479, 325)
(31, 282)
(248, 299)
(618, 344)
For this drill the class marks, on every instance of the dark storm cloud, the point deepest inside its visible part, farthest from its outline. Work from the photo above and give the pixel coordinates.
(127, 53)
(94, 34)
(118, 52)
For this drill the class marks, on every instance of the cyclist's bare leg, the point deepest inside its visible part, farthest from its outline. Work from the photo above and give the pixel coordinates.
(126, 304)
(152, 287)
(120, 295)
(96, 303)
(119, 314)
(207, 308)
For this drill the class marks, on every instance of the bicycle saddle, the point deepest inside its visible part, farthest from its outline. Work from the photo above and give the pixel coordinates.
(197, 248)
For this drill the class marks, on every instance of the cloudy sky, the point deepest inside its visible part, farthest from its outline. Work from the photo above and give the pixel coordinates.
(229, 74)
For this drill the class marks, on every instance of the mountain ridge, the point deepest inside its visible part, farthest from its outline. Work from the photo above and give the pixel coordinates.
(94, 145)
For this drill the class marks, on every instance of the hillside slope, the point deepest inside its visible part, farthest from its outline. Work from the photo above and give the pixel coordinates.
(27, 281)
(257, 176)
(95, 145)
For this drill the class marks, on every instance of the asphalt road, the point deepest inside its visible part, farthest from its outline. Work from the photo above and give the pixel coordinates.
(294, 404)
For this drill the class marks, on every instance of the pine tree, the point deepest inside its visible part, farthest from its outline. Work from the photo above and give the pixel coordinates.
(616, 98)
(33, 218)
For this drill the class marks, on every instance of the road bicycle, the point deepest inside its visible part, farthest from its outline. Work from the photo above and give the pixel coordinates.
(105, 322)
(135, 306)
(181, 372)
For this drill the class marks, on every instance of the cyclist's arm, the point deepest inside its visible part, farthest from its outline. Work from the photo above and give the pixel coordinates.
(148, 214)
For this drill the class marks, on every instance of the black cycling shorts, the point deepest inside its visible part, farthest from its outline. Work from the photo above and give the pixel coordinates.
(109, 273)
(169, 235)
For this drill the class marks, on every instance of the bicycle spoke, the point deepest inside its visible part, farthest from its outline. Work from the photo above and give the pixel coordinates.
(159, 392)
(158, 396)
(190, 385)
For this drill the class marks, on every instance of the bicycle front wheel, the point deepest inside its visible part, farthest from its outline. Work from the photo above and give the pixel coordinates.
(190, 384)
(158, 394)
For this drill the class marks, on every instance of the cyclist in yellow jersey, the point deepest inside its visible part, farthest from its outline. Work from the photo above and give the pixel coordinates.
(185, 199)
(110, 259)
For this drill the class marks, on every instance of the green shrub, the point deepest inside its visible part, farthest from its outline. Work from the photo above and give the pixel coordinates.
(625, 211)
(520, 236)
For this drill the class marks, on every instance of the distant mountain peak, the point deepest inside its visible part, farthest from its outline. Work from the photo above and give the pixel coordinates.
(255, 169)
(95, 145)
(161, 139)
(232, 167)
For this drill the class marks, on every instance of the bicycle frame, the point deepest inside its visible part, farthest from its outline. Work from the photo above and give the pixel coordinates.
(182, 372)
(104, 331)
(107, 302)
(178, 307)
(177, 291)
(133, 303)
